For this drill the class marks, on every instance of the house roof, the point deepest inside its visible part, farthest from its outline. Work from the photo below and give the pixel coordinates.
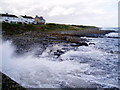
(41, 18)
(8, 15)
(29, 17)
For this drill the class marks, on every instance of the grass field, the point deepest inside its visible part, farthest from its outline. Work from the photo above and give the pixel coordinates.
(14, 29)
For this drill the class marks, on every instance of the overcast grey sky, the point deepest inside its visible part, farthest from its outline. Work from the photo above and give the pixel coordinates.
(83, 12)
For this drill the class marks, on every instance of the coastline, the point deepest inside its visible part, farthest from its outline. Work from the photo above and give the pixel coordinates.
(28, 39)
(26, 36)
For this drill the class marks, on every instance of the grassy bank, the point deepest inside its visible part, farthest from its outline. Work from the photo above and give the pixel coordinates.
(14, 29)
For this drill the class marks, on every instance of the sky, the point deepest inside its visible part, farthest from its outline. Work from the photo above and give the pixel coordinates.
(102, 13)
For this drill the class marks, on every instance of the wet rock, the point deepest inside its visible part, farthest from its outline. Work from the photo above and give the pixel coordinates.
(84, 44)
(91, 43)
(79, 44)
(58, 53)
(9, 84)
(111, 51)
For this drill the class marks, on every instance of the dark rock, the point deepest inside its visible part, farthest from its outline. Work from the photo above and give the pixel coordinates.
(111, 51)
(58, 53)
(80, 44)
(84, 44)
(91, 43)
(9, 84)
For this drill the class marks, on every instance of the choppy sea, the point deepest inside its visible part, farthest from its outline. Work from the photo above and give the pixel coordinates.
(90, 66)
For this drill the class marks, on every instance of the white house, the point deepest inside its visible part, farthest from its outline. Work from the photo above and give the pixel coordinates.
(9, 18)
(26, 19)
(39, 20)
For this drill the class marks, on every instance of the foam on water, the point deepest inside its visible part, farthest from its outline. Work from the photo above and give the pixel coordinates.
(113, 34)
(39, 72)
(85, 67)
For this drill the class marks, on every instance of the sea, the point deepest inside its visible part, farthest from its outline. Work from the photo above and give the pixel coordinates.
(93, 66)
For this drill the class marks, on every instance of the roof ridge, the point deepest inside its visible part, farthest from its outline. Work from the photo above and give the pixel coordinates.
(8, 15)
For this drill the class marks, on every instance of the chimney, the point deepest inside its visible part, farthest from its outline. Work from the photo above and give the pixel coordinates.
(36, 15)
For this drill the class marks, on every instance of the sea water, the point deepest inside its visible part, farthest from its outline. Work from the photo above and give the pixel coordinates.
(90, 66)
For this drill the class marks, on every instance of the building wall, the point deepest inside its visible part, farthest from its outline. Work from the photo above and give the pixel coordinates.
(26, 20)
(39, 21)
(21, 20)
(9, 19)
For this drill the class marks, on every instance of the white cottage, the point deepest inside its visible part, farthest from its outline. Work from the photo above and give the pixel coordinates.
(26, 19)
(9, 18)
(39, 20)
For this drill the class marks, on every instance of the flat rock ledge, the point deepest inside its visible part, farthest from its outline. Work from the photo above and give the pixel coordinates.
(9, 84)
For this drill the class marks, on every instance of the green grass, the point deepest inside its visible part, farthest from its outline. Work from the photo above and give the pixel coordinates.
(60, 27)
(13, 29)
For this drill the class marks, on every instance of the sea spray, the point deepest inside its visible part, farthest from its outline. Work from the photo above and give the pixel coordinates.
(39, 72)
(86, 67)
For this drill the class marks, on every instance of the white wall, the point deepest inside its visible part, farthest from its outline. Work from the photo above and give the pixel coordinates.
(16, 20)
(9, 19)
(26, 20)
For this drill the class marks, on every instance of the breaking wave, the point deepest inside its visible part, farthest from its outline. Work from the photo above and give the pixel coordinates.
(113, 34)
(82, 67)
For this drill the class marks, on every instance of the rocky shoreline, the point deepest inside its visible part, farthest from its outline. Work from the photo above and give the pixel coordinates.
(27, 41)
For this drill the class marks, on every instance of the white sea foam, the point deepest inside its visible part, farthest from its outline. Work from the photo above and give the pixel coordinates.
(113, 34)
(73, 71)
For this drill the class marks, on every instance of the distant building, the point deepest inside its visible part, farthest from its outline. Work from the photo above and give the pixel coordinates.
(26, 19)
(9, 18)
(39, 20)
